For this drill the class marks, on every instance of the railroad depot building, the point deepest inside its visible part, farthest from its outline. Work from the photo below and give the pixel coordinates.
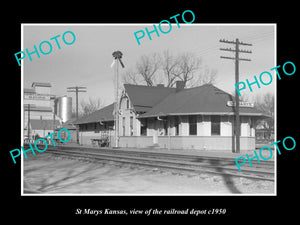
(176, 118)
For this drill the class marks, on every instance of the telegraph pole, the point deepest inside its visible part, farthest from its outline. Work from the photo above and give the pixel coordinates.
(237, 43)
(76, 90)
(53, 97)
(28, 119)
(28, 124)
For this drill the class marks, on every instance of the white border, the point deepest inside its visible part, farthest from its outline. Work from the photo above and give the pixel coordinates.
(139, 24)
(22, 111)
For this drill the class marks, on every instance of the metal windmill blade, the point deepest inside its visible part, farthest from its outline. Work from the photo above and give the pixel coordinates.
(118, 55)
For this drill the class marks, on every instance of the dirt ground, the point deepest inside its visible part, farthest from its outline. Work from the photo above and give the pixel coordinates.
(46, 174)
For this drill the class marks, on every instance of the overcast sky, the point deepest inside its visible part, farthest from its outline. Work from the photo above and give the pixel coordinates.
(87, 61)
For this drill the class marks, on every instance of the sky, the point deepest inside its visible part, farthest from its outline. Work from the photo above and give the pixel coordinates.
(87, 61)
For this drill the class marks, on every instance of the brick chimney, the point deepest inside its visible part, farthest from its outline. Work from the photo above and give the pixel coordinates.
(179, 85)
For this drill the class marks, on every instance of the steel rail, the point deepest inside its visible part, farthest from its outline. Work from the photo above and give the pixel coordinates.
(166, 163)
(172, 155)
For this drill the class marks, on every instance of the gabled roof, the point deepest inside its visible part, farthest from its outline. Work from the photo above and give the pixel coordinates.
(206, 99)
(69, 124)
(162, 101)
(143, 98)
(105, 114)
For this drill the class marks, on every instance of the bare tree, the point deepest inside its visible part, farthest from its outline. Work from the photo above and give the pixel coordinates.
(170, 67)
(204, 76)
(90, 106)
(265, 103)
(188, 65)
(167, 68)
(190, 70)
(243, 98)
(147, 67)
(131, 77)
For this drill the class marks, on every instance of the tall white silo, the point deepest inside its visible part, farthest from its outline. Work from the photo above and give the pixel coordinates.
(64, 108)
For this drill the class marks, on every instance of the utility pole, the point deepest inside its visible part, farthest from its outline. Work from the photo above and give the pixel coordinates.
(76, 90)
(53, 97)
(28, 124)
(28, 119)
(237, 43)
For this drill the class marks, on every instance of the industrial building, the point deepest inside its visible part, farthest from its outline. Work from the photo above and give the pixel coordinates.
(44, 112)
(176, 118)
(38, 110)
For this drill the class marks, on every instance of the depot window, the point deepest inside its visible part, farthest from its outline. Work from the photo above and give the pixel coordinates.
(215, 125)
(127, 104)
(144, 127)
(131, 126)
(193, 125)
(176, 125)
(165, 123)
(123, 126)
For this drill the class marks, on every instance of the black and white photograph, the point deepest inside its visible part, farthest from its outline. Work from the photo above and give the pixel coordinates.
(149, 111)
(143, 109)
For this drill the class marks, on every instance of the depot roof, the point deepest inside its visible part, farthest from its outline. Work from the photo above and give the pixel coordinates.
(163, 101)
(143, 98)
(104, 115)
(206, 100)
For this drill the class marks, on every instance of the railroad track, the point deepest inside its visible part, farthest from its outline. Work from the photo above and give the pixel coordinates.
(191, 158)
(184, 163)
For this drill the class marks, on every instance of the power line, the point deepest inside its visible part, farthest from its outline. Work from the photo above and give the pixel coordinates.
(255, 37)
(258, 37)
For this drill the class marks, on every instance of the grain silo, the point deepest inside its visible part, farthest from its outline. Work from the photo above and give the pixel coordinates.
(64, 108)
